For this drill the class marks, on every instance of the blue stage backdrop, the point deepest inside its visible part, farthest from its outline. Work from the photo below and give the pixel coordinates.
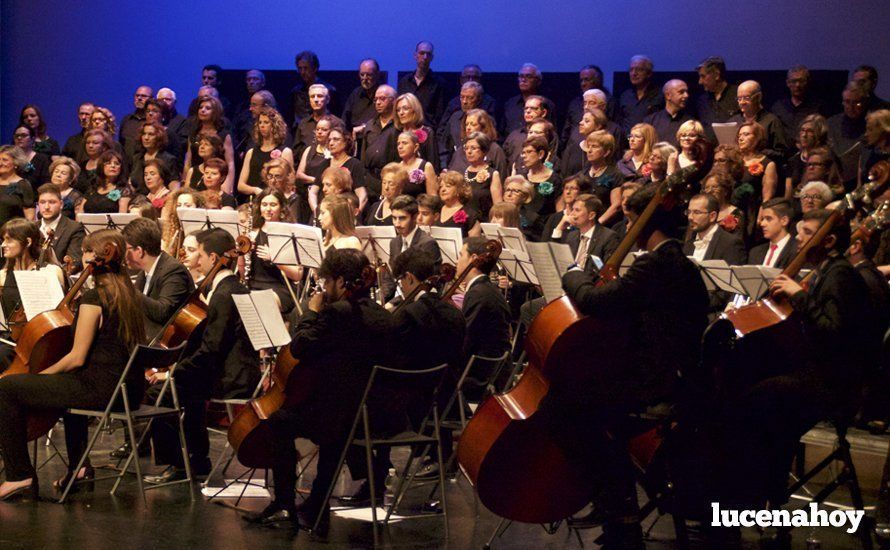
(56, 53)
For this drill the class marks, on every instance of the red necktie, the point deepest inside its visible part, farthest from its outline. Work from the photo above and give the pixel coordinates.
(772, 250)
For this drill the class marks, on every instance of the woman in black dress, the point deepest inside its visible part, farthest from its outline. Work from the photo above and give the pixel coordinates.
(421, 174)
(16, 194)
(63, 172)
(393, 179)
(409, 118)
(36, 170)
(269, 133)
(153, 144)
(95, 142)
(455, 193)
(270, 206)
(209, 147)
(478, 120)
(484, 180)
(107, 327)
(110, 194)
(339, 144)
(33, 118)
(209, 121)
(547, 183)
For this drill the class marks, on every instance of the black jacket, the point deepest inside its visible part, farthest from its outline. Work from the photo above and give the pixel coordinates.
(421, 240)
(170, 286)
(488, 320)
(337, 349)
(224, 365)
(725, 246)
(757, 255)
(663, 303)
(602, 244)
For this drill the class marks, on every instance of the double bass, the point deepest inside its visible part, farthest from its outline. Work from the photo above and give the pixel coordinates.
(519, 469)
(49, 336)
(249, 435)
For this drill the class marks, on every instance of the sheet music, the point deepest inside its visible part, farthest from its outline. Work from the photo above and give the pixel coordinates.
(262, 319)
(726, 132)
(39, 290)
(518, 266)
(95, 222)
(381, 236)
(450, 241)
(294, 244)
(718, 275)
(755, 279)
(200, 219)
(510, 237)
(551, 260)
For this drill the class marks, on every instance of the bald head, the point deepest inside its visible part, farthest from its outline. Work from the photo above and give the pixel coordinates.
(384, 98)
(749, 98)
(676, 94)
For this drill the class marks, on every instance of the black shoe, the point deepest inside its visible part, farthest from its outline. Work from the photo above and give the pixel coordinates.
(362, 497)
(168, 474)
(594, 518)
(85, 481)
(26, 492)
(274, 515)
(427, 471)
(306, 516)
(123, 452)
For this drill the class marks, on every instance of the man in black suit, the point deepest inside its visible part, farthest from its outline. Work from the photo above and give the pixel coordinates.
(67, 234)
(599, 240)
(662, 302)
(164, 284)
(484, 307)
(338, 340)
(780, 247)
(224, 365)
(707, 240)
(408, 235)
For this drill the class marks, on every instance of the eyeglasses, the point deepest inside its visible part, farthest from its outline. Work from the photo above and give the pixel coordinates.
(512, 191)
(21, 136)
(695, 212)
(274, 177)
(810, 197)
(853, 103)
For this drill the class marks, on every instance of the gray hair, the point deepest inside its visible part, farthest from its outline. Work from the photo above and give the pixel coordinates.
(472, 85)
(172, 93)
(19, 158)
(597, 93)
(645, 59)
(820, 187)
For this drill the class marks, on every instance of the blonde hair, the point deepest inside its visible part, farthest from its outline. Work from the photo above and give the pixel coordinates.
(65, 161)
(506, 211)
(527, 187)
(693, 126)
(416, 108)
(650, 136)
(604, 139)
(397, 171)
(457, 180)
(340, 177)
(279, 128)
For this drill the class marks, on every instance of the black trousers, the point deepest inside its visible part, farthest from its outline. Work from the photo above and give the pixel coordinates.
(165, 435)
(22, 393)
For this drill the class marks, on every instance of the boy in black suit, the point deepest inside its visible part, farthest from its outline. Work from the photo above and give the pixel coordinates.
(224, 365)
(67, 234)
(781, 247)
(404, 219)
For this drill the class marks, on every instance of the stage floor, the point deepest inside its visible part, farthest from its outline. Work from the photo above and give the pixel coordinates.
(175, 517)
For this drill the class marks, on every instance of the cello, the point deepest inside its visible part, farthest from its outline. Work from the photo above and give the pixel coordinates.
(46, 338)
(249, 435)
(521, 472)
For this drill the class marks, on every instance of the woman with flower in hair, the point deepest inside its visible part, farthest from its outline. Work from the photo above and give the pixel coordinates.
(481, 177)
(547, 183)
(421, 174)
(33, 118)
(455, 192)
(269, 133)
(110, 193)
(409, 118)
(393, 180)
(760, 172)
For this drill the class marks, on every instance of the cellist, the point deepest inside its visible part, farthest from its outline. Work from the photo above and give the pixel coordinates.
(823, 380)
(662, 300)
(107, 327)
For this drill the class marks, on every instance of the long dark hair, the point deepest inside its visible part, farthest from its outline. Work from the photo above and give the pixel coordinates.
(100, 169)
(113, 283)
(41, 127)
(258, 219)
(20, 230)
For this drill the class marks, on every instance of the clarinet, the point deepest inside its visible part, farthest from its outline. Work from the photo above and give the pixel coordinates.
(248, 258)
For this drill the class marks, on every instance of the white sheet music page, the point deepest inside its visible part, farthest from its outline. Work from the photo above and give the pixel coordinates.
(547, 270)
(262, 319)
(39, 290)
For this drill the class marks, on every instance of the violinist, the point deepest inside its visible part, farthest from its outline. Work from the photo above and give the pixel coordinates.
(263, 273)
(67, 234)
(823, 382)
(107, 327)
(224, 365)
(663, 302)
(484, 306)
(163, 283)
(338, 340)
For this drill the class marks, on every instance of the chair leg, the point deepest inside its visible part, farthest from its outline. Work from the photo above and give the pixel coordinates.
(132, 456)
(330, 490)
(80, 463)
(134, 449)
(441, 468)
(369, 456)
(498, 532)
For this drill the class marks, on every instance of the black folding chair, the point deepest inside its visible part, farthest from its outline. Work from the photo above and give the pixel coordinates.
(142, 358)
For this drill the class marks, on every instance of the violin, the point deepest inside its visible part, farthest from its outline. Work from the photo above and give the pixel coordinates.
(519, 469)
(492, 251)
(193, 312)
(46, 338)
(446, 273)
(248, 435)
